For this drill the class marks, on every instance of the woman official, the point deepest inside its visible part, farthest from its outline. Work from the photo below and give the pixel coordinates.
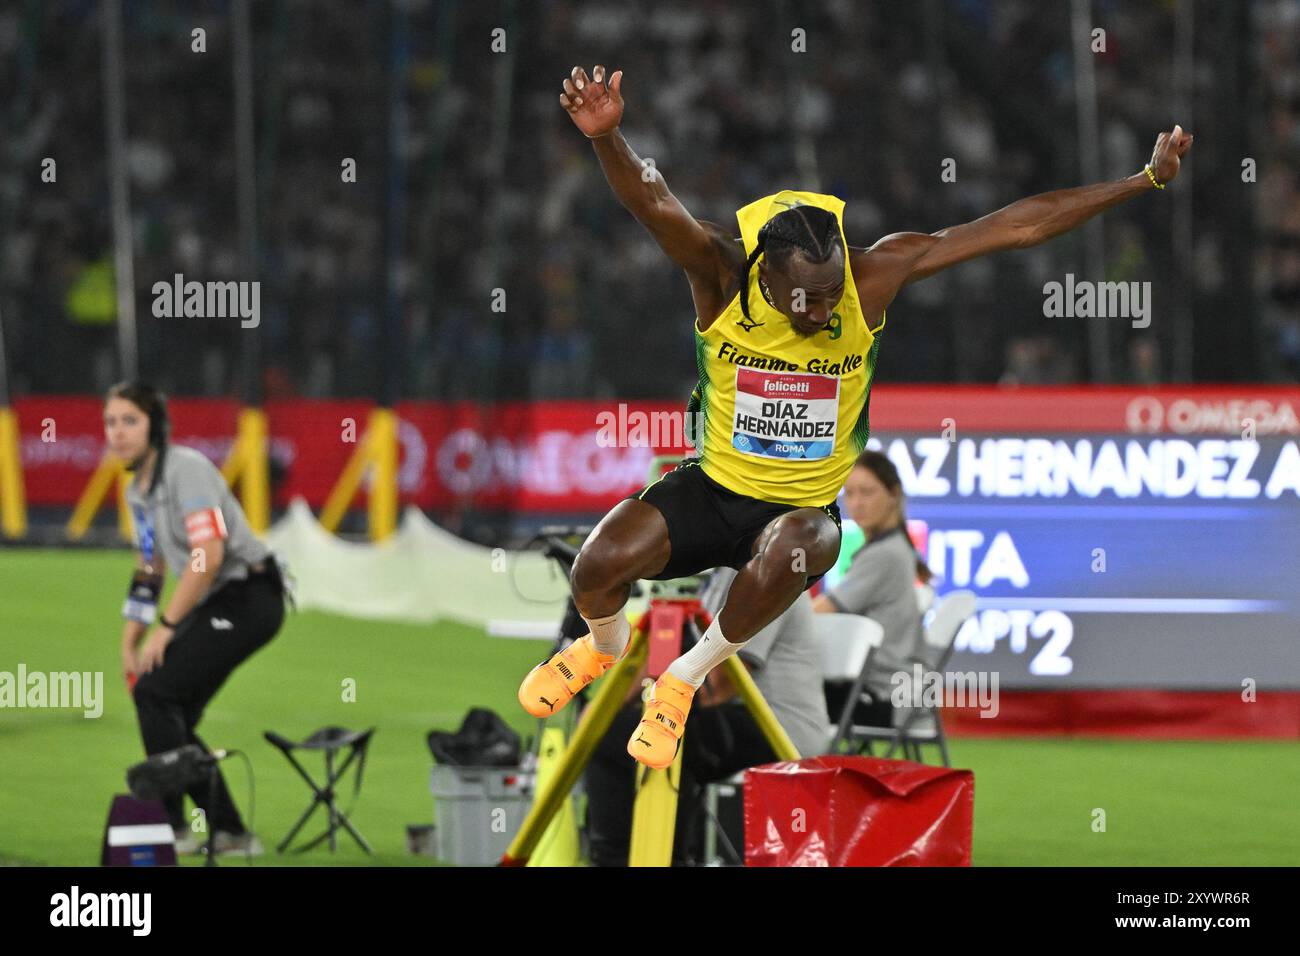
(880, 583)
(228, 600)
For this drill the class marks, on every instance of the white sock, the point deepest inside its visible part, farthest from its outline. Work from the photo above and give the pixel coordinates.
(610, 634)
(711, 650)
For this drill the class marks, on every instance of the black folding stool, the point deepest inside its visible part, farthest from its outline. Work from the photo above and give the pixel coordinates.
(331, 740)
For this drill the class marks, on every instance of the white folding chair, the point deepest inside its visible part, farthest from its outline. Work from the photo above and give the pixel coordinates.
(924, 598)
(922, 725)
(847, 641)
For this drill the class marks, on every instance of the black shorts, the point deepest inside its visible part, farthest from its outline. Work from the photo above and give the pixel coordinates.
(709, 525)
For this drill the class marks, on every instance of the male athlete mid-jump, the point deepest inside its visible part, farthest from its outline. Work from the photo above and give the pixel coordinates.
(787, 332)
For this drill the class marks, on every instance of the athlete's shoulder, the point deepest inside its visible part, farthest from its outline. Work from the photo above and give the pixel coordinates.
(896, 251)
(881, 270)
(729, 247)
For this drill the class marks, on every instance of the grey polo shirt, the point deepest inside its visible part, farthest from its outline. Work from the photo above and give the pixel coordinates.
(879, 584)
(191, 489)
(786, 660)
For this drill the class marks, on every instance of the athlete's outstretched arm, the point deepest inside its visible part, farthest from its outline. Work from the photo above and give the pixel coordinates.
(596, 108)
(910, 256)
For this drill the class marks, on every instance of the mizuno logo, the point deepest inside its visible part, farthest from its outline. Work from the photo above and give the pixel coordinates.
(749, 324)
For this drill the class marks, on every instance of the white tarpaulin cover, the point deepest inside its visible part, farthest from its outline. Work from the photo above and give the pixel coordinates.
(422, 574)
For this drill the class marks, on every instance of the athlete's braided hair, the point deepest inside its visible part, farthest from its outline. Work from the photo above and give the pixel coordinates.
(809, 229)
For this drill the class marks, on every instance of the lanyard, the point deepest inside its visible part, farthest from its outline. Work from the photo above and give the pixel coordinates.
(144, 532)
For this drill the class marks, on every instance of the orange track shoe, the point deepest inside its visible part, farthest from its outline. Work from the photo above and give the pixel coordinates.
(656, 739)
(548, 687)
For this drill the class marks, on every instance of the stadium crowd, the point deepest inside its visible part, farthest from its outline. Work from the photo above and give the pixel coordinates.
(495, 189)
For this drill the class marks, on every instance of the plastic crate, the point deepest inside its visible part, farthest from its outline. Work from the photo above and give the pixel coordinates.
(479, 810)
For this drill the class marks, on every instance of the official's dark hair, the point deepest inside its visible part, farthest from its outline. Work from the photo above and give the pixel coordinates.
(150, 401)
(811, 230)
(887, 474)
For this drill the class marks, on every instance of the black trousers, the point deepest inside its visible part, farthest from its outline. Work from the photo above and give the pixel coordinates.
(210, 642)
(719, 741)
(879, 713)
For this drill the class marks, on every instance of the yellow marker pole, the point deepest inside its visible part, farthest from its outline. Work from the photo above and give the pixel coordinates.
(13, 499)
(383, 487)
(559, 844)
(92, 496)
(345, 489)
(255, 476)
(125, 522)
(654, 815)
(233, 466)
(591, 728)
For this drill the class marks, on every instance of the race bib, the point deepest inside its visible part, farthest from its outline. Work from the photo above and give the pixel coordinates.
(787, 415)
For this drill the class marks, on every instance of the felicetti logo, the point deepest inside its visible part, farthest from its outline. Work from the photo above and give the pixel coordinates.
(784, 387)
(553, 463)
(1184, 416)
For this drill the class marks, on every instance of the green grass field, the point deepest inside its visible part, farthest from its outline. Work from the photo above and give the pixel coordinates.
(1166, 803)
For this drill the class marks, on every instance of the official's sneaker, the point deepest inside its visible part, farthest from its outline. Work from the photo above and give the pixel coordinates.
(657, 738)
(185, 841)
(237, 844)
(549, 686)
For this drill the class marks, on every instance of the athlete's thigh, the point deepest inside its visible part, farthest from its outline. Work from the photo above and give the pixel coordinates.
(633, 536)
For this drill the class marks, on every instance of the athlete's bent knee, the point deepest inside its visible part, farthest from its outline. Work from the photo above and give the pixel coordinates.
(602, 565)
(802, 544)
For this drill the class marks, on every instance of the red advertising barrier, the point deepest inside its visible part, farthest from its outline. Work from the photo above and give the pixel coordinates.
(582, 456)
(1137, 712)
(858, 811)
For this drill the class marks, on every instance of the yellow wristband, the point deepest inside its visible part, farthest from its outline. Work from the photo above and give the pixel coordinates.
(1152, 176)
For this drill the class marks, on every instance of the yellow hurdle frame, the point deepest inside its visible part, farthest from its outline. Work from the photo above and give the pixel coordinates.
(378, 448)
(13, 499)
(654, 815)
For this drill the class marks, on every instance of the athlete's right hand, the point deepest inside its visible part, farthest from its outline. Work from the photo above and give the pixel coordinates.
(595, 107)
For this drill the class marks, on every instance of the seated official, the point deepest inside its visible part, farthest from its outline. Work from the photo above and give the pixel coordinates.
(723, 738)
(880, 583)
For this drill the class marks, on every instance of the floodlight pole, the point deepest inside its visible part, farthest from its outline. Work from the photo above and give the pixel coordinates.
(119, 188)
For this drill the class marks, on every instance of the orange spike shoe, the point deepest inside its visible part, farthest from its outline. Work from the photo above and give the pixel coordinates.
(656, 739)
(549, 686)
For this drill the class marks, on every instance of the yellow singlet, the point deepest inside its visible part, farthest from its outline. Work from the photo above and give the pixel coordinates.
(780, 416)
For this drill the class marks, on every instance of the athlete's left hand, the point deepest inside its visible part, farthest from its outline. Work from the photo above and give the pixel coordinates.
(1170, 149)
(151, 655)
